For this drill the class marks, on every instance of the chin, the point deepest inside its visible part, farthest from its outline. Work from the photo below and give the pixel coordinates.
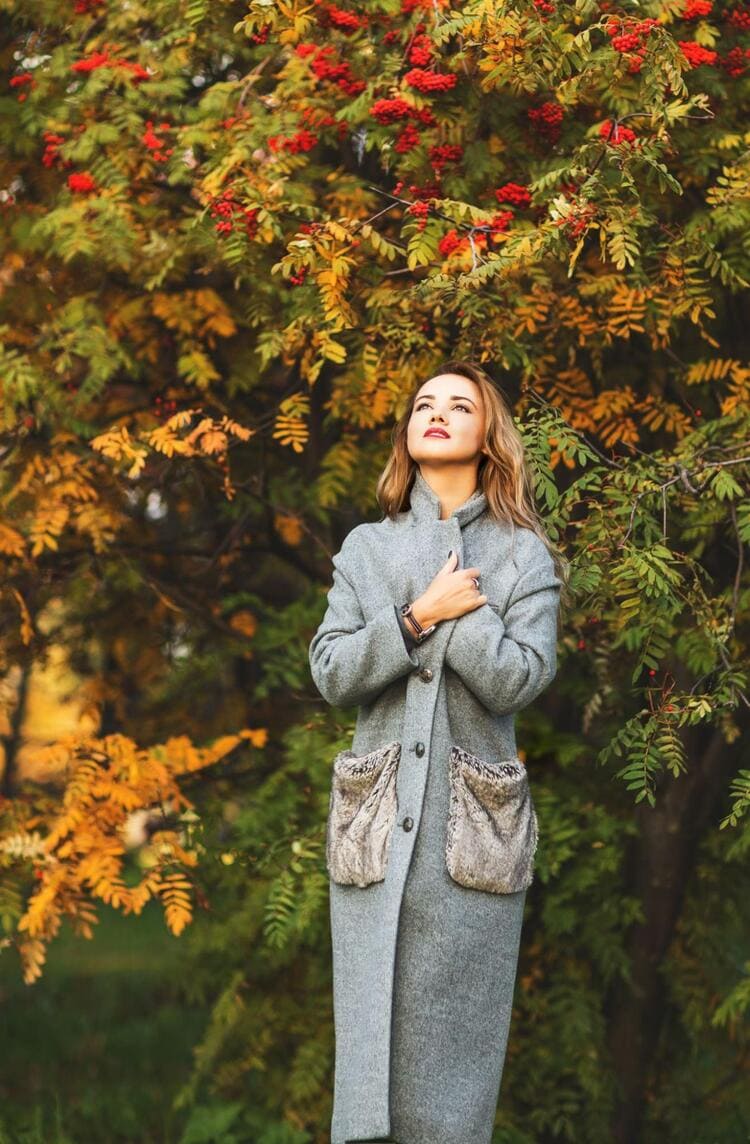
(435, 456)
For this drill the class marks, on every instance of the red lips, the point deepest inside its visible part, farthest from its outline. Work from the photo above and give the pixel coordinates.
(436, 433)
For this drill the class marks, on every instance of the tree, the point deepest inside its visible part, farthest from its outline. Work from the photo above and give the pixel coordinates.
(233, 241)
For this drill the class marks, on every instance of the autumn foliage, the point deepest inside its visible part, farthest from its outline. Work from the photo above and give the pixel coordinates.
(234, 236)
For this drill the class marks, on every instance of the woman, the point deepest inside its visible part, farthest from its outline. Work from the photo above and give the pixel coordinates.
(441, 625)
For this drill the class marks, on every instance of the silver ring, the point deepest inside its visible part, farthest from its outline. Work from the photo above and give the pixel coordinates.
(476, 582)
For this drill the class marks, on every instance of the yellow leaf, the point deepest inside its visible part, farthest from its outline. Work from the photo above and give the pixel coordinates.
(214, 441)
(167, 442)
(244, 622)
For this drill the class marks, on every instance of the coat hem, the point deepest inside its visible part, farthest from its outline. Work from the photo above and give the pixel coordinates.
(358, 1136)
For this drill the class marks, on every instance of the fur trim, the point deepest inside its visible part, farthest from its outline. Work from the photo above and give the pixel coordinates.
(492, 825)
(361, 814)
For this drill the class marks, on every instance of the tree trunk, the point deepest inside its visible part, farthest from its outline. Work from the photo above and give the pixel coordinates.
(665, 854)
(12, 743)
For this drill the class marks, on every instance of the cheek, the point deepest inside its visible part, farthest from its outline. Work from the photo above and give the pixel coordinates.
(468, 429)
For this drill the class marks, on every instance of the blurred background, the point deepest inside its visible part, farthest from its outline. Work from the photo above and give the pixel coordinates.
(234, 237)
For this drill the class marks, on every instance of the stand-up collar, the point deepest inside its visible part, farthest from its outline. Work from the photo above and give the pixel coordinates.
(425, 504)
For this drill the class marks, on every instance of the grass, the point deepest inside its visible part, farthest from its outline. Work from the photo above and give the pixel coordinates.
(93, 1052)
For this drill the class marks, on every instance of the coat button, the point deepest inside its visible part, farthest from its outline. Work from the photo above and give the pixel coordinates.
(419, 749)
(425, 674)
(407, 823)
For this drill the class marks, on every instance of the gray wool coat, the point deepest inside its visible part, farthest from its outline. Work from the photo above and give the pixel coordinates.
(432, 830)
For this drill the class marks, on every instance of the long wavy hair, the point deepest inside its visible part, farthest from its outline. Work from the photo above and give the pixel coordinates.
(504, 474)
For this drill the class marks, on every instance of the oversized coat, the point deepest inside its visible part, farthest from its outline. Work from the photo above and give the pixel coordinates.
(432, 829)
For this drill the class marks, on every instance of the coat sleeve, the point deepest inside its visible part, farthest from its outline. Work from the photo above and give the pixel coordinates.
(507, 661)
(352, 660)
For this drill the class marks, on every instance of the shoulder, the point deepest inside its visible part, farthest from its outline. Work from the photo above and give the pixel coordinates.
(529, 543)
(354, 548)
(529, 552)
(368, 535)
(519, 545)
(362, 550)
(355, 538)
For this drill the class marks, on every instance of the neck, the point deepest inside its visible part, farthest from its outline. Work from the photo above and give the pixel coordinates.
(451, 485)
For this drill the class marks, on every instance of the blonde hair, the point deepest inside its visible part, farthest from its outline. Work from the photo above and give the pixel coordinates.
(504, 473)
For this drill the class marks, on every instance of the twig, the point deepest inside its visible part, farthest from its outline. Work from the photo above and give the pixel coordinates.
(740, 562)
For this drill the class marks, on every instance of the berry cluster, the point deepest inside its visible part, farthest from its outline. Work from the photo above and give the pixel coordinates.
(92, 62)
(547, 119)
(422, 50)
(545, 7)
(740, 19)
(695, 54)
(303, 140)
(424, 80)
(430, 191)
(513, 193)
(345, 21)
(324, 68)
(420, 210)
(228, 210)
(393, 110)
(81, 183)
(298, 279)
(407, 140)
(261, 36)
(628, 34)
(616, 133)
(159, 153)
(51, 153)
(581, 223)
(734, 62)
(498, 224)
(21, 81)
(83, 7)
(577, 221)
(443, 153)
(697, 9)
(451, 241)
(628, 37)
(332, 16)
(104, 60)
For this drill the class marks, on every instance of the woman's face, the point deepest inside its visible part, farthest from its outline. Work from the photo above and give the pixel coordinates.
(453, 404)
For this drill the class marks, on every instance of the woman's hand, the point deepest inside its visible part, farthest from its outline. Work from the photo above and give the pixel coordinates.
(450, 595)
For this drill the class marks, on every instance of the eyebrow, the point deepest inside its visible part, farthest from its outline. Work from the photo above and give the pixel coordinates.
(455, 397)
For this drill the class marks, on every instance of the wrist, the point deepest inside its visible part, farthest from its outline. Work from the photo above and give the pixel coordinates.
(423, 617)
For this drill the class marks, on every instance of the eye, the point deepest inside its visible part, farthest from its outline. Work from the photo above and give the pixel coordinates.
(425, 404)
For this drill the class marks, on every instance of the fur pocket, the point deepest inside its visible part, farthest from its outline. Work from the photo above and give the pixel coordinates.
(492, 824)
(362, 811)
